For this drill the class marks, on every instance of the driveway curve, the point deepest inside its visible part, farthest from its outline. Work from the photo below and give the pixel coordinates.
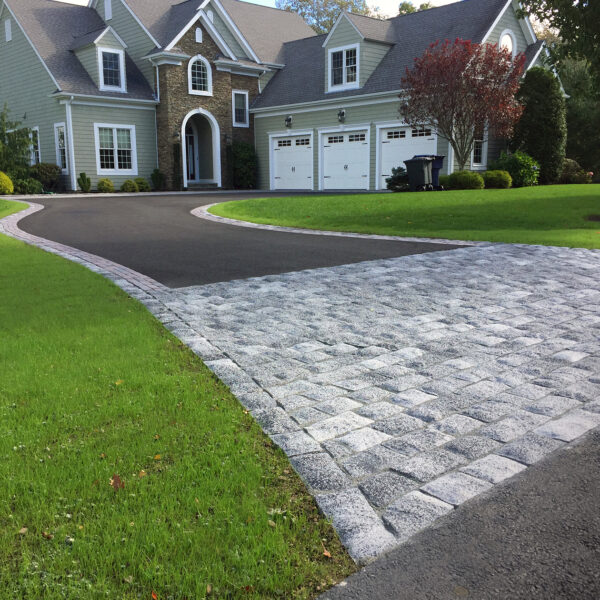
(157, 236)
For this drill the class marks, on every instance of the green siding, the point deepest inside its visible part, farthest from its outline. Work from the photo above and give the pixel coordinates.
(84, 118)
(323, 117)
(264, 78)
(88, 57)
(371, 54)
(343, 35)
(226, 34)
(132, 33)
(25, 86)
(509, 21)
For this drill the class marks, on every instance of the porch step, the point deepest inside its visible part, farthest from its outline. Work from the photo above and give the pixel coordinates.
(202, 186)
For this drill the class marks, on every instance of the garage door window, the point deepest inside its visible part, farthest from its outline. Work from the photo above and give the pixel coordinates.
(422, 132)
(335, 139)
(396, 135)
(357, 137)
(284, 143)
(303, 142)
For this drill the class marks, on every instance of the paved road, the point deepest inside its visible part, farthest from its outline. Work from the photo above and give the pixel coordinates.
(535, 538)
(157, 236)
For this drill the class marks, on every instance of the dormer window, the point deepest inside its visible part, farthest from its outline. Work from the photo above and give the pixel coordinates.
(199, 77)
(344, 68)
(112, 69)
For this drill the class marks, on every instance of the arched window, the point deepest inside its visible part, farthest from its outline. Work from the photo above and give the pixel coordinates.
(508, 42)
(199, 77)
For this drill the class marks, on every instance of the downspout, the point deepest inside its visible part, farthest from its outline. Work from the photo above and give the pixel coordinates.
(71, 144)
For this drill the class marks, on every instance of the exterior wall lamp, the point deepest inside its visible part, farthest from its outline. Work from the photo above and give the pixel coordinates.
(341, 115)
(288, 121)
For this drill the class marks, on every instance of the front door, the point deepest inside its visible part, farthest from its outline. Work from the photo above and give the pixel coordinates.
(191, 156)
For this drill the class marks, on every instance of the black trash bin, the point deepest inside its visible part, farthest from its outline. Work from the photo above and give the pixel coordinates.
(418, 170)
(436, 167)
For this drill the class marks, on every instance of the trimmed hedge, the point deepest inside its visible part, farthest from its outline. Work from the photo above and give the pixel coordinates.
(497, 179)
(158, 180)
(573, 173)
(464, 180)
(6, 185)
(523, 169)
(244, 163)
(398, 182)
(130, 187)
(28, 186)
(47, 174)
(143, 185)
(106, 186)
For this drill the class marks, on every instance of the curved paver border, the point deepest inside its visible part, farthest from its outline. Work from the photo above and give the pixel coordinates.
(202, 212)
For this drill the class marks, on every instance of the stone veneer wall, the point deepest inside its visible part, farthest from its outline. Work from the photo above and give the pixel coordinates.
(176, 103)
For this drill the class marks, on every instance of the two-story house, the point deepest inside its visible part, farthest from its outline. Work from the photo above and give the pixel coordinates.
(121, 87)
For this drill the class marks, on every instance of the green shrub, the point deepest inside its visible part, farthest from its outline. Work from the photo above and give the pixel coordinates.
(445, 181)
(158, 180)
(244, 165)
(143, 185)
(84, 183)
(497, 179)
(542, 128)
(523, 169)
(465, 180)
(398, 182)
(28, 186)
(573, 173)
(106, 186)
(47, 174)
(129, 186)
(6, 185)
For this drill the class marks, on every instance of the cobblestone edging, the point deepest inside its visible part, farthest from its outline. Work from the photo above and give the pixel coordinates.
(202, 212)
(399, 388)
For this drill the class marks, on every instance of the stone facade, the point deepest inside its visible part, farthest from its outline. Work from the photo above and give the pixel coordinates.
(176, 103)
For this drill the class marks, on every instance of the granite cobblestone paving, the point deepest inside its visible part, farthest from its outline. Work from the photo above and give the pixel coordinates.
(400, 388)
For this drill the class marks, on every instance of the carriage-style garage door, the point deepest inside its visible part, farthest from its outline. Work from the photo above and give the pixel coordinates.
(345, 160)
(398, 144)
(292, 163)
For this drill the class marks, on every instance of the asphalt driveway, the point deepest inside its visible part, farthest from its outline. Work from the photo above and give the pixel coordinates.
(157, 236)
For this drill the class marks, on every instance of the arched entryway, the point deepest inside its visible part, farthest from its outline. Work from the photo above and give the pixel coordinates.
(201, 148)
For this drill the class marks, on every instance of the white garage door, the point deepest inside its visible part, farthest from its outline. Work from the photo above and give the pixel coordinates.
(401, 143)
(293, 163)
(346, 161)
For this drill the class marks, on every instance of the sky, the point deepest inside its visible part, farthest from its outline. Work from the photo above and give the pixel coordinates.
(388, 8)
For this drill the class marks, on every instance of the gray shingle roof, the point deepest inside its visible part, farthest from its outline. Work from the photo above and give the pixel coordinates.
(374, 29)
(54, 28)
(303, 78)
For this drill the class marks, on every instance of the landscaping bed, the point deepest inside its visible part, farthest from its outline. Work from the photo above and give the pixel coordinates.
(548, 215)
(128, 469)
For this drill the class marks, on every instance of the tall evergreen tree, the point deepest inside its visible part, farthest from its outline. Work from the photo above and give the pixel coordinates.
(542, 128)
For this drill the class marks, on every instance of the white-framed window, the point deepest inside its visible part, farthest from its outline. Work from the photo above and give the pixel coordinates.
(421, 132)
(111, 65)
(107, 10)
(35, 157)
(343, 68)
(396, 135)
(335, 139)
(303, 142)
(116, 152)
(198, 35)
(479, 154)
(508, 41)
(60, 140)
(8, 30)
(239, 101)
(211, 15)
(199, 76)
(357, 137)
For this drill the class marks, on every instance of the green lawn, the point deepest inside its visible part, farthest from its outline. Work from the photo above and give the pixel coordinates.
(92, 387)
(549, 215)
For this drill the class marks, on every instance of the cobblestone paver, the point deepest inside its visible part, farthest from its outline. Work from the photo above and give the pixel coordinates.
(404, 387)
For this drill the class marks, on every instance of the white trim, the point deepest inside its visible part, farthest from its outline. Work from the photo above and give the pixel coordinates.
(342, 15)
(135, 17)
(33, 46)
(108, 12)
(322, 131)
(289, 133)
(235, 123)
(32, 152)
(117, 36)
(450, 157)
(63, 126)
(216, 145)
(199, 35)
(378, 128)
(510, 33)
(70, 141)
(325, 104)
(343, 86)
(8, 30)
(537, 55)
(116, 171)
(111, 105)
(112, 88)
(209, 82)
(237, 34)
(125, 101)
(496, 21)
(216, 36)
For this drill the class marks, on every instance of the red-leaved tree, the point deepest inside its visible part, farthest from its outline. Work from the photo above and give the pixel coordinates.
(459, 88)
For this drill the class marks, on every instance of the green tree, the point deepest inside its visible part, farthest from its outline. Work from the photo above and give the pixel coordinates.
(583, 114)
(322, 14)
(15, 145)
(542, 129)
(578, 24)
(406, 8)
